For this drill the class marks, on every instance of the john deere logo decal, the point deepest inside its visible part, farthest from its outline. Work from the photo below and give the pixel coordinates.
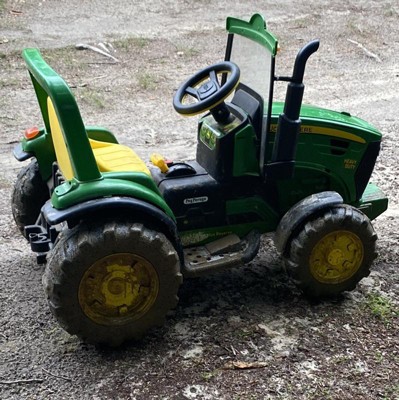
(195, 200)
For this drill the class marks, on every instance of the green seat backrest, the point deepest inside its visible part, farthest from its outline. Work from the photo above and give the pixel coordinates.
(62, 120)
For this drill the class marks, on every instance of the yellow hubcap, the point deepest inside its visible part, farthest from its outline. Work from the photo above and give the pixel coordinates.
(336, 257)
(118, 289)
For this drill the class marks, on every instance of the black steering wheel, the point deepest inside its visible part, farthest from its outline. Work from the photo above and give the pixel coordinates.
(206, 89)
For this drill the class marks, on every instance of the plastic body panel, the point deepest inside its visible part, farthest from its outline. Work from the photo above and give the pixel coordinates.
(196, 199)
(207, 209)
(330, 155)
(227, 151)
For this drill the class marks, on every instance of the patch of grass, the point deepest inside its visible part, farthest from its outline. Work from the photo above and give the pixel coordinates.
(207, 376)
(92, 98)
(252, 397)
(65, 58)
(190, 51)
(127, 43)
(186, 50)
(381, 307)
(390, 12)
(305, 21)
(340, 358)
(354, 28)
(379, 357)
(147, 81)
(391, 392)
(10, 82)
(64, 53)
(244, 333)
(4, 183)
(302, 23)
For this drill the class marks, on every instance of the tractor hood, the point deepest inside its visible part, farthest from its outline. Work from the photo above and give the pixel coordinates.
(333, 123)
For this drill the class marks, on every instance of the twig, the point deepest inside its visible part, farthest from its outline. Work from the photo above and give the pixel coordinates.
(109, 45)
(4, 336)
(21, 381)
(233, 350)
(368, 52)
(103, 47)
(97, 77)
(57, 376)
(99, 62)
(84, 84)
(83, 46)
(244, 365)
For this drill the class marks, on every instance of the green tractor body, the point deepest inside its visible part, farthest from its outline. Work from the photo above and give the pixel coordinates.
(261, 166)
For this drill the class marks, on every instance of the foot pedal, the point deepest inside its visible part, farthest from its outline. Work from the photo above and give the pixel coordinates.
(227, 252)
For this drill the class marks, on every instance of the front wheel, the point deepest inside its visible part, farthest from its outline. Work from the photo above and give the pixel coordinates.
(332, 253)
(111, 282)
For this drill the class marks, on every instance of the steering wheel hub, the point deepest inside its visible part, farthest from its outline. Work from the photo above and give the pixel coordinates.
(206, 90)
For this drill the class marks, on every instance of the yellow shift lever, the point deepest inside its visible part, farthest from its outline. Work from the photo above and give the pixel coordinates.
(159, 162)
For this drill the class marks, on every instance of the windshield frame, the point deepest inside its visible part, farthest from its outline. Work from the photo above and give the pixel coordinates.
(256, 30)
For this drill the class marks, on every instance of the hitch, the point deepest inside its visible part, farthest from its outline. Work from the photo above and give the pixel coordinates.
(41, 240)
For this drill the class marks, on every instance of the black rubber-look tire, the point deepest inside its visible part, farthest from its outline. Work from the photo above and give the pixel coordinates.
(332, 253)
(84, 269)
(29, 195)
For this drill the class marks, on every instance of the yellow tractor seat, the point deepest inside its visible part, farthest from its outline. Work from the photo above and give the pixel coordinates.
(111, 157)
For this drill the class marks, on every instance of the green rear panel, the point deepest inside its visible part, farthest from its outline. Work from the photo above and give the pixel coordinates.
(43, 149)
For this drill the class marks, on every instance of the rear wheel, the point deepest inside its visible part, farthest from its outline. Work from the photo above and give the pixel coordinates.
(112, 282)
(332, 253)
(29, 195)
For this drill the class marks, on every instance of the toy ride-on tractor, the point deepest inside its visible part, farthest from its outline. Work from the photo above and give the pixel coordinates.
(118, 236)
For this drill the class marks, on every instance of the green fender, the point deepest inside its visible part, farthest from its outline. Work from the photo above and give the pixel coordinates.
(126, 207)
(74, 192)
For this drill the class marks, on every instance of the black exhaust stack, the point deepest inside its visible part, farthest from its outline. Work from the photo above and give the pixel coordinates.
(289, 124)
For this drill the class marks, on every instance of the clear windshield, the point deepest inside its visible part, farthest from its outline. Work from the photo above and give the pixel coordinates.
(255, 63)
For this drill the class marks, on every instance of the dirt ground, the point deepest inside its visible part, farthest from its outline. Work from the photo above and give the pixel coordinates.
(251, 316)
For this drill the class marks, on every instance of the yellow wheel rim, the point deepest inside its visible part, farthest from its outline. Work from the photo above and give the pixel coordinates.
(118, 289)
(336, 257)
